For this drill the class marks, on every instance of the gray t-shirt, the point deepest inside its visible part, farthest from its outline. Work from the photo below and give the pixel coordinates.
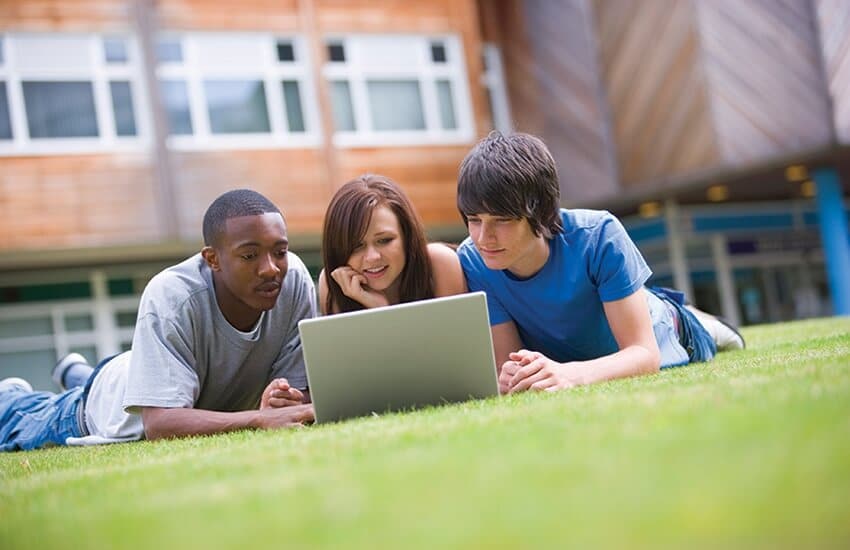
(185, 353)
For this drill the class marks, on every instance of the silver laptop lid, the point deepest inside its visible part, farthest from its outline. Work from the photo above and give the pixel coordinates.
(399, 357)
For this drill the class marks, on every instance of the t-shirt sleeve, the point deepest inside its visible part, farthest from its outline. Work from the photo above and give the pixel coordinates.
(617, 267)
(474, 271)
(162, 372)
(290, 363)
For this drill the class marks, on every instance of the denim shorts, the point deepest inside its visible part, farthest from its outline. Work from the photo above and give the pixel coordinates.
(696, 341)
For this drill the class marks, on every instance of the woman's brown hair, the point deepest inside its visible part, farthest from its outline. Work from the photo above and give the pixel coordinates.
(346, 222)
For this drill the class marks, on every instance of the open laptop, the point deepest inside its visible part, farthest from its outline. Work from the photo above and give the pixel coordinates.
(399, 357)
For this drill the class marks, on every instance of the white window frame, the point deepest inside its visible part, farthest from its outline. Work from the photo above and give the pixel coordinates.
(99, 73)
(105, 336)
(357, 71)
(493, 80)
(270, 71)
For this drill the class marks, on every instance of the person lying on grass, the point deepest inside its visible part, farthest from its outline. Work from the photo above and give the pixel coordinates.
(375, 251)
(565, 287)
(215, 347)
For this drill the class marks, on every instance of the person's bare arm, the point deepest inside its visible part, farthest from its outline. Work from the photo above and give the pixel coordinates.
(323, 293)
(162, 423)
(506, 340)
(447, 273)
(278, 398)
(631, 326)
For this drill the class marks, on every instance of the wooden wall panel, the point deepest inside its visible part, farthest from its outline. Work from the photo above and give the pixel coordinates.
(79, 15)
(431, 183)
(245, 15)
(651, 70)
(79, 201)
(765, 78)
(833, 17)
(504, 24)
(289, 177)
(575, 125)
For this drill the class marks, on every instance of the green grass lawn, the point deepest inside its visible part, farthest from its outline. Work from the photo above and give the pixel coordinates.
(750, 450)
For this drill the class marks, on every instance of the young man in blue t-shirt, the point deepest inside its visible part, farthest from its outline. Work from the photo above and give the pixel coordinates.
(565, 288)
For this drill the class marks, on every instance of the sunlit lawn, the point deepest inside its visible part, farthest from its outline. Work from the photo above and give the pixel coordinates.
(750, 450)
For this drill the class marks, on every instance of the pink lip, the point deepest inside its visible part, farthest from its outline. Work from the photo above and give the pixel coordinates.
(375, 274)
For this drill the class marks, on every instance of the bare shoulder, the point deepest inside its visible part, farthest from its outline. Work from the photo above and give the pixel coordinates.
(448, 275)
(323, 292)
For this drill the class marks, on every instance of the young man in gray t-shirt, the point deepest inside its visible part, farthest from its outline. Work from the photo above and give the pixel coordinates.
(215, 348)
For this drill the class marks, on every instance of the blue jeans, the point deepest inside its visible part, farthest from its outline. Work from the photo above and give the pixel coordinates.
(34, 419)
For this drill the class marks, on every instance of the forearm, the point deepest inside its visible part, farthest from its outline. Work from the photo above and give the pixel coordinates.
(631, 361)
(167, 423)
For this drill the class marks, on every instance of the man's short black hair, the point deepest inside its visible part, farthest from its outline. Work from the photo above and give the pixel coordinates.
(233, 204)
(512, 176)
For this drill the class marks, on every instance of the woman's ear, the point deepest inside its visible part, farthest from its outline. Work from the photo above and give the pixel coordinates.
(211, 257)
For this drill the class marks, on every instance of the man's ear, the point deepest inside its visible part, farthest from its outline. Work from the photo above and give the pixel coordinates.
(211, 257)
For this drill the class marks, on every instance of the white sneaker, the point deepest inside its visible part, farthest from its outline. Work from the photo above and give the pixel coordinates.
(15, 382)
(63, 365)
(725, 336)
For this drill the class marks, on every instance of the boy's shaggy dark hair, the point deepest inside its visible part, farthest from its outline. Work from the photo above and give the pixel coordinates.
(512, 176)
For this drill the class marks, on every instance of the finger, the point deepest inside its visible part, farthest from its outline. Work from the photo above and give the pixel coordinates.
(545, 384)
(524, 357)
(291, 393)
(509, 367)
(280, 402)
(526, 371)
(527, 382)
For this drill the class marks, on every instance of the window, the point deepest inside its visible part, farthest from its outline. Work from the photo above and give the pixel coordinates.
(169, 50)
(236, 90)
(497, 95)
(237, 106)
(60, 109)
(285, 51)
(122, 106)
(398, 89)
(336, 52)
(5, 123)
(175, 99)
(438, 52)
(39, 323)
(68, 92)
(115, 50)
(71, 92)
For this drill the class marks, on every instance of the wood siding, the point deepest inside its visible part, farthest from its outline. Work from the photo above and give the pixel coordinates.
(555, 88)
(656, 90)
(105, 200)
(833, 17)
(765, 78)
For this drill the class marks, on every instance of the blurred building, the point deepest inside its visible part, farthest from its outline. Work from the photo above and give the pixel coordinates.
(717, 129)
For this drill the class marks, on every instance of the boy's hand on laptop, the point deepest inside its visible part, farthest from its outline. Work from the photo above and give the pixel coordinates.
(531, 370)
(355, 285)
(280, 394)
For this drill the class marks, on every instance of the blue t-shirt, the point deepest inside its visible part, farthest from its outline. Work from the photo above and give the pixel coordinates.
(558, 311)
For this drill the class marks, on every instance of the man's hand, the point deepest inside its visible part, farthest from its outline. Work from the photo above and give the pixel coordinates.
(356, 286)
(287, 417)
(280, 394)
(531, 370)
